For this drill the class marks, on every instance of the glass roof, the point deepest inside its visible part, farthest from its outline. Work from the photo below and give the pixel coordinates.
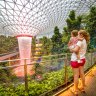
(37, 16)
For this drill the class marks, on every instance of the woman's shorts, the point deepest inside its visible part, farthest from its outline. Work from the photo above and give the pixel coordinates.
(75, 64)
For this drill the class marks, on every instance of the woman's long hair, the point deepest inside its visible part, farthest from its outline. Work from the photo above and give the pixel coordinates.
(85, 35)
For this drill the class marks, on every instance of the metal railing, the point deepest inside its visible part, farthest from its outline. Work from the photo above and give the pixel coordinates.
(54, 68)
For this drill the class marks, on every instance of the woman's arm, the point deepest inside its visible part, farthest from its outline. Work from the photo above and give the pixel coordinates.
(76, 49)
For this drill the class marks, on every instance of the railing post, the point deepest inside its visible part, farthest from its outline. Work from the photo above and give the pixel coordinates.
(25, 74)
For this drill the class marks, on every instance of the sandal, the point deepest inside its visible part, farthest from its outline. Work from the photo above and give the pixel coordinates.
(73, 91)
(82, 89)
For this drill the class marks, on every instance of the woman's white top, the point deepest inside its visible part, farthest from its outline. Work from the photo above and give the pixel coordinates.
(83, 47)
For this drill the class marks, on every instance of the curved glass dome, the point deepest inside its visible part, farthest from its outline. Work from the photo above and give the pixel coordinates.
(37, 16)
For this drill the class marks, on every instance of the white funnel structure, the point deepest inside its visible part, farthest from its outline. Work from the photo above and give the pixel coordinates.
(24, 47)
(24, 42)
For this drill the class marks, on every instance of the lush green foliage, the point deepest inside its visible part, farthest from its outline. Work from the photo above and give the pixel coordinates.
(73, 23)
(56, 41)
(7, 44)
(65, 39)
(33, 46)
(6, 75)
(49, 82)
(46, 45)
(91, 22)
(90, 25)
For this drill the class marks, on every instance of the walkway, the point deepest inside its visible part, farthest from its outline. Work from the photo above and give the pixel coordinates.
(90, 85)
(6, 57)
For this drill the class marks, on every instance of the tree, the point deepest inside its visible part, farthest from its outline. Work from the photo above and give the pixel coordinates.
(65, 39)
(56, 40)
(73, 23)
(65, 36)
(89, 21)
(33, 46)
(7, 44)
(6, 75)
(46, 45)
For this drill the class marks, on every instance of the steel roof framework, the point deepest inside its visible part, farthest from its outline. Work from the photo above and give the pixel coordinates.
(37, 16)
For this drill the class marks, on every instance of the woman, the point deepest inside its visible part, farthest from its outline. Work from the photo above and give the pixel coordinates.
(78, 68)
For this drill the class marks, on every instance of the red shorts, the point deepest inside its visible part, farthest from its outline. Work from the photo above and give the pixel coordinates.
(75, 64)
